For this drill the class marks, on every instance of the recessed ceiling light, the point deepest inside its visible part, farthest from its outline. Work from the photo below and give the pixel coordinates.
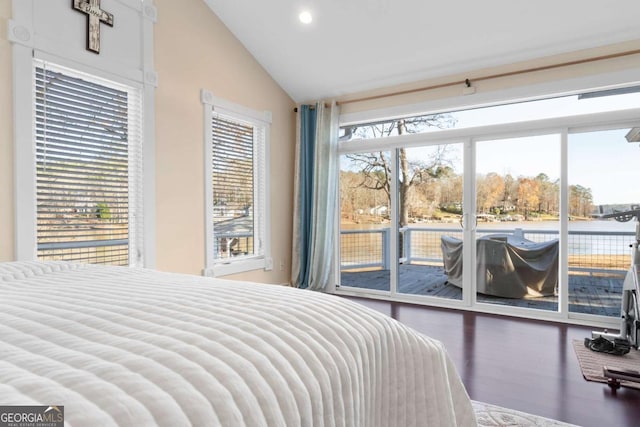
(305, 17)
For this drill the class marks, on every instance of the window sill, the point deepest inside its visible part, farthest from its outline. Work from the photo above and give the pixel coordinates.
(239, 266)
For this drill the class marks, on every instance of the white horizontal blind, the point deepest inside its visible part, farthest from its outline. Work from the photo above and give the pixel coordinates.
(86, 162)
(259, 174)
(233, 179)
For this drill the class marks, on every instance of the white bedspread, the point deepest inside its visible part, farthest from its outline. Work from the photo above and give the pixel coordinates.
(135, 347)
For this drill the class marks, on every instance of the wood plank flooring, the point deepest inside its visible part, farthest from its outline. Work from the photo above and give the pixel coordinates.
(520, 364)
(588, 293)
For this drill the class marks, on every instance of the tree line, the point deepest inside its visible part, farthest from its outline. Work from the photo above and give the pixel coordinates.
(430, 185)
(439, 188)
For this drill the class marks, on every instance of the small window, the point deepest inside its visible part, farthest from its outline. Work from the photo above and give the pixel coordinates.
(236, 182)
(88, 166)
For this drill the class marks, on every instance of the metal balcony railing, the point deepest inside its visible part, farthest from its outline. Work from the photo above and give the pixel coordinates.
(104, 251)
(592, 251)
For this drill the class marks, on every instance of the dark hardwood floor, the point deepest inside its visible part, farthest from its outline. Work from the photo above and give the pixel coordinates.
(520, 364)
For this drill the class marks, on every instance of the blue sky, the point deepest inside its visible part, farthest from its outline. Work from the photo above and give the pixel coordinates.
(602, 161)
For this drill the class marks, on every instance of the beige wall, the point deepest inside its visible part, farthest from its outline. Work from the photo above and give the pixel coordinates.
(6, 137)
(193, 51)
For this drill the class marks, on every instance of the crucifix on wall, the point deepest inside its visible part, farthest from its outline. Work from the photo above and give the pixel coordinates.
(95, 16)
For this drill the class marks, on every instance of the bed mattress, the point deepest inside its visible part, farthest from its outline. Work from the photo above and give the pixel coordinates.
(138, 347)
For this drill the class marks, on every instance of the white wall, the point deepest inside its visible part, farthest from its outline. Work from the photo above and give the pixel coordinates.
(194, 51)
(514, 87)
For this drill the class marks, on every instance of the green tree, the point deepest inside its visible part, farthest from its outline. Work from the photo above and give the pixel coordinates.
(103, 211)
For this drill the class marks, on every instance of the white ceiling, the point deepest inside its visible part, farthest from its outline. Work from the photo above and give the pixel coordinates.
(356, 45)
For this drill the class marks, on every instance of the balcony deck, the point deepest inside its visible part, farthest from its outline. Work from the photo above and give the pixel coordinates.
(589, 293)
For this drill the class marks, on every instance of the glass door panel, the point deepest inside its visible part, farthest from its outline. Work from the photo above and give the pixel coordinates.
(517, 232)
(602, 174)
(430, 190)
(365, 213)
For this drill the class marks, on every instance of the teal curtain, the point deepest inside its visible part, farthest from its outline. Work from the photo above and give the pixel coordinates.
(315, 196)
(305, 158)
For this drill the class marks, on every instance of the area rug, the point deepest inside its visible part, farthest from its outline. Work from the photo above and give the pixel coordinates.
(496, 416)
(591, 363)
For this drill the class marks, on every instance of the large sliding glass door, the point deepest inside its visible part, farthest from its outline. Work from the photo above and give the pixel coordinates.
(602, 191)
(508, 209)
(430, 197)
(365, 220)
(517, 209)
(399, 209)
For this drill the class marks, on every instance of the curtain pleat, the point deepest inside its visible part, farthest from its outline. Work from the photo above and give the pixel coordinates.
(303, 195)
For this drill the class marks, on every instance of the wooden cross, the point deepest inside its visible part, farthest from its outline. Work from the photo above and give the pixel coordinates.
(95, 16)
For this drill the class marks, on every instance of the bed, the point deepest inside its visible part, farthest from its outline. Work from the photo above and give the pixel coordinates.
(125, 346)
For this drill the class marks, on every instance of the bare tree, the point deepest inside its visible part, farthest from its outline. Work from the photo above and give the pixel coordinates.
(580, 200)
(548, 194)
(528, 190)
(376, 167)
(490, 189)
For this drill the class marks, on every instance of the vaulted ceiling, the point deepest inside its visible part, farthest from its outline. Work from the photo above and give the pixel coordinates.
(356, 45)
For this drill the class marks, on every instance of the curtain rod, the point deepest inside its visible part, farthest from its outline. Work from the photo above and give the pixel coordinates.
(468, 82)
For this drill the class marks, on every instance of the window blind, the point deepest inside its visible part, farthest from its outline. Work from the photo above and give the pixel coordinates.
(234, 171)
(88, 167)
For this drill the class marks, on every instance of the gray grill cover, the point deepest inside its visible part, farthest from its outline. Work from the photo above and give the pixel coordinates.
(508, 266)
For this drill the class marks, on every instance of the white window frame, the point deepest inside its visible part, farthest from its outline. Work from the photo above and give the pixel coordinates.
(25, 161)
(135, 153)
(26, 47)
(221, 267)
(563, 126)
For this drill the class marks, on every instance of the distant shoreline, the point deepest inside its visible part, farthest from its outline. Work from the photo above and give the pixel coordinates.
(606, 225)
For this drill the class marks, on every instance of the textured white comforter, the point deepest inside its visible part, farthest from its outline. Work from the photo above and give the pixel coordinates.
(135, 347)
